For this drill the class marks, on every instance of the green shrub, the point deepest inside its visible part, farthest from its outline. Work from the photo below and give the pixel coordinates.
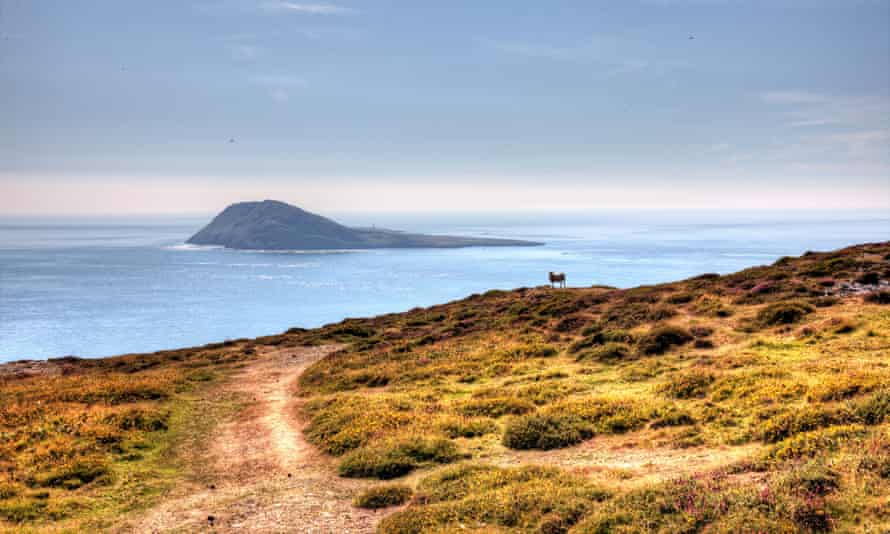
(375, 463)
(787, 424)
(660, 339)
(808, 444)
(874, 409)
(384, 496)
(661, 313)
(712, 307)
(438, 450)
(840, 387)
(570, 422)
(601, 337)
(495, 407)
(464, 427)
(348, 329)
(545, 432)
(688, 384)
(527, 350)
(396, 458)
(672, 417)
(627, 315)
(609, 352)
(780, 313)
(72, 476)
(342, 423)
(571, 323)
(140, 419)
(681, 298)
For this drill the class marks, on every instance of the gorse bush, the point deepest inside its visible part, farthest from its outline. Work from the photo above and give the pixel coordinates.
(546, 431)
(496, 407)
(571, 422)
(396, 457)
(781, 313)
(873, 409)
(840, 387)
(342, 423)
(384, 496)
(601, 337)
(468, 427)
(610, 352)
(812, 443)
(790, 423)
(688, 384)
(661, 339)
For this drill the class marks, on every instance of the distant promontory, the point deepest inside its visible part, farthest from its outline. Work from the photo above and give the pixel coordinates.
(273, 225)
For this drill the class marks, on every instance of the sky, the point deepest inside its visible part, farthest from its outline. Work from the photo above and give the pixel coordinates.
(462, 105)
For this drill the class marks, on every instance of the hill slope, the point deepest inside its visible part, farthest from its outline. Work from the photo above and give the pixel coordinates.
(752, 402)
(273, 225)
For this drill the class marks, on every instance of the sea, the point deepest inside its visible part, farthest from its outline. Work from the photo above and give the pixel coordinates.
(101, 286)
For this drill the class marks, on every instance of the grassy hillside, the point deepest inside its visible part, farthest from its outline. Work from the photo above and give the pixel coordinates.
(84, 441)
(771, 361)
(752, 402)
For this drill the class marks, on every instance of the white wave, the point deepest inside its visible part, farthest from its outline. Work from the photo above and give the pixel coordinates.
(320, 251)
(190, 247)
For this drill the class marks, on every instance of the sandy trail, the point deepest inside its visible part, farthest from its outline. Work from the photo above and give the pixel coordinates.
(256, 471)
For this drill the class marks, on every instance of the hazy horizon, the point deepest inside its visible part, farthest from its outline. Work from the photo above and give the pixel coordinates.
(357, 105)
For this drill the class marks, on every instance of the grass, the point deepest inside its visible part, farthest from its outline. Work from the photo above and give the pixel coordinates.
(92, 440)
(756, 357)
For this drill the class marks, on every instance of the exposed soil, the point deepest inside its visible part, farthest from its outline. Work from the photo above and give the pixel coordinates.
(257, 473)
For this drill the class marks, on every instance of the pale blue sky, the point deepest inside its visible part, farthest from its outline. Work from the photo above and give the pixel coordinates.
(128, 106)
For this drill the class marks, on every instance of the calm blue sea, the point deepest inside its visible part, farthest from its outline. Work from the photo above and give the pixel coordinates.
(98, 287)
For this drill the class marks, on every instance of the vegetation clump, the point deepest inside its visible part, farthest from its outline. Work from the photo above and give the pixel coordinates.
(782, 313)
(527, 499)
(397, 457)
(384, 496)
(661, 339)
(688, 384)
(610, 352)
(572, 422)
(496, 407)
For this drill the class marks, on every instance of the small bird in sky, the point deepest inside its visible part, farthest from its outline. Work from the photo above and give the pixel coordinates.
(231, 140)
(691, 37)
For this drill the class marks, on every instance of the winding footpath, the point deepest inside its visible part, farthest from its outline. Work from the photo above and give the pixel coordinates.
(256, 472)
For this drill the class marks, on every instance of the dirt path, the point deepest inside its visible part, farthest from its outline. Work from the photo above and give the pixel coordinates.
(257, 473)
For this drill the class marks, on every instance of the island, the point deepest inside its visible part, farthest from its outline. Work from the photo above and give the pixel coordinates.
(274, 225)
